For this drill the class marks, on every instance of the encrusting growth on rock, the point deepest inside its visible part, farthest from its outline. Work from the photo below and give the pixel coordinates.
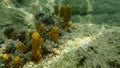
(54, 33)
(37, 42)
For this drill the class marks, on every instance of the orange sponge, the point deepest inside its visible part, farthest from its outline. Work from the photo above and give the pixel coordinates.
(53, 34)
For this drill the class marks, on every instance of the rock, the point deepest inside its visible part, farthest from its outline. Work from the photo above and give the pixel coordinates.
(101, 43)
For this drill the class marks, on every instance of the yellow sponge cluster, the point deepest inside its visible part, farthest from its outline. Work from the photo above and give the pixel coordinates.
(65, 13)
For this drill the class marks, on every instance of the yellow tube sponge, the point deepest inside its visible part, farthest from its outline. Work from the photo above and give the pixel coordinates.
(17, 62)
(67, 13)
(30, 33)
(21, 46)
(54, 33)
(37, 42)
(62, 11)
(41, 28)
(56, 10)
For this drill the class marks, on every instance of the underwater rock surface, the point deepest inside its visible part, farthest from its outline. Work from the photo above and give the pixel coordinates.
(94, 38)
(86, 48)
